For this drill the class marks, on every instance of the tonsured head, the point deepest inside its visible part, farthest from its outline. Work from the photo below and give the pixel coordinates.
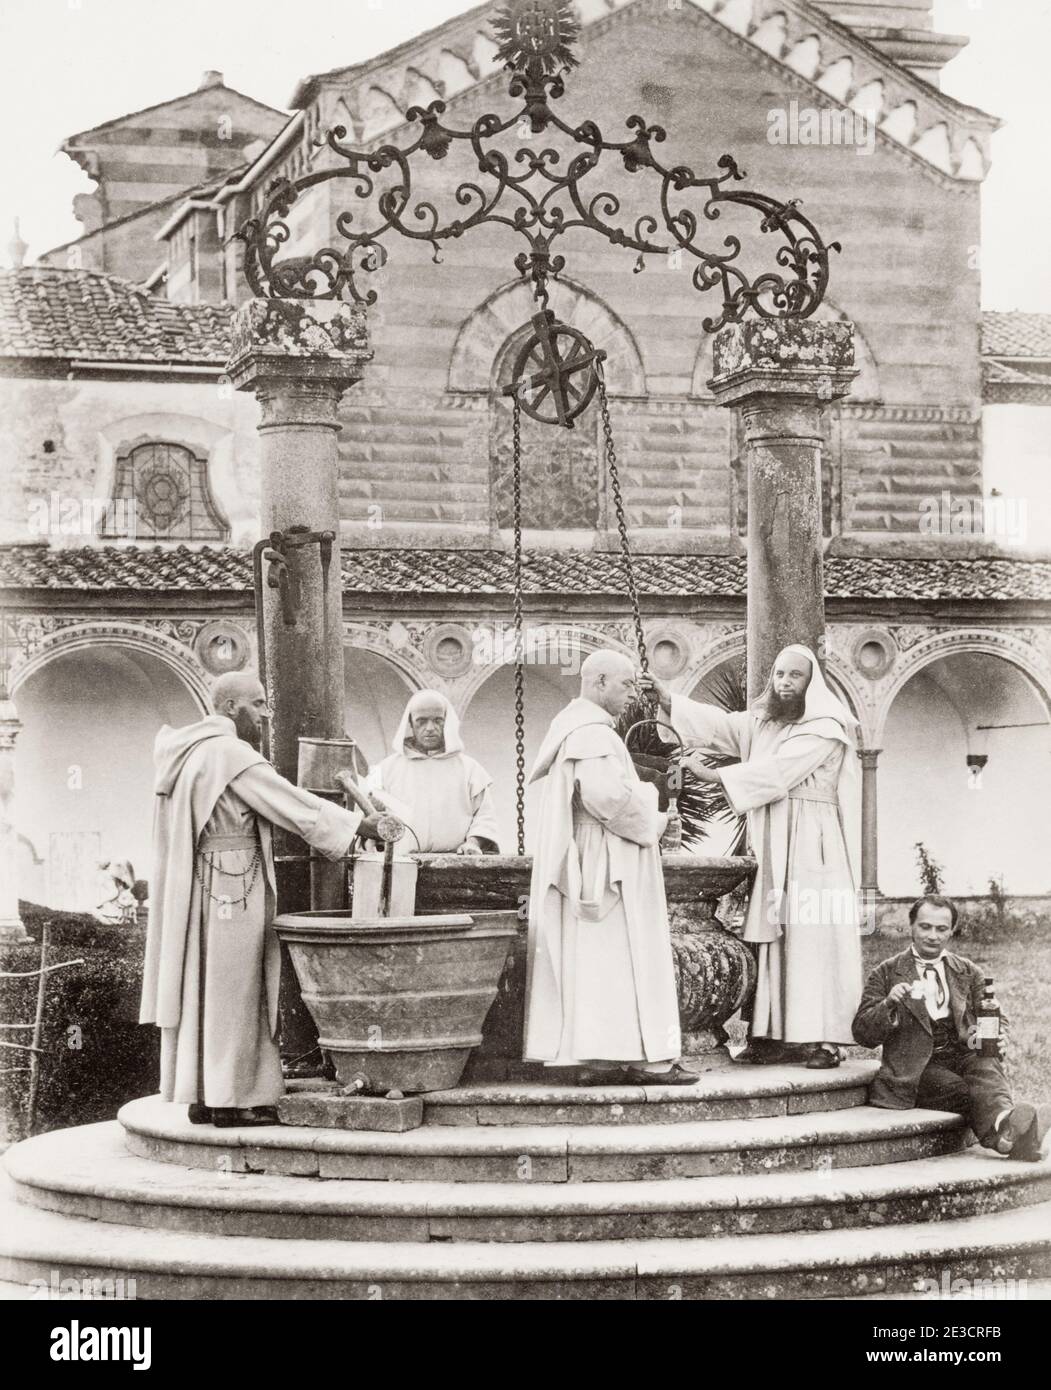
(240, 696)
(608, 679)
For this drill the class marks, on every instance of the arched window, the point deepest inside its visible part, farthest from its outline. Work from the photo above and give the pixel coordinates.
(161, 492)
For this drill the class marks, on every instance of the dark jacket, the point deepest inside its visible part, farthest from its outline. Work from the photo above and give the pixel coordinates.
(904, 1030)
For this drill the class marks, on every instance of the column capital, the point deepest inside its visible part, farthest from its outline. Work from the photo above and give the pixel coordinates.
(868, 757)
(796, 361)
(302, 346)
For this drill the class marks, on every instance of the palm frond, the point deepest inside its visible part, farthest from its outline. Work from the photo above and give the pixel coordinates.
(701, 805)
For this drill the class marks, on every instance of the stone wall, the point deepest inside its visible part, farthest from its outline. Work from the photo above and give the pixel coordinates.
(421, 447)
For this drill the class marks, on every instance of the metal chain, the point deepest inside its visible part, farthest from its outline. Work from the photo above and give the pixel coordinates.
(247, 876)
(516, 481)
(622, 527)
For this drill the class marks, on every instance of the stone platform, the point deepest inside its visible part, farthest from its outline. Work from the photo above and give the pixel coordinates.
(766, 1182)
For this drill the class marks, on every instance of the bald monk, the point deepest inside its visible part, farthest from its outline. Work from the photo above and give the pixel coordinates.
(796, 780)
(600, 984)
(431, 783)
(212, 969)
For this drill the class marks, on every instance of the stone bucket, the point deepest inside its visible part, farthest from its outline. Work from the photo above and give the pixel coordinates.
(399, 1002)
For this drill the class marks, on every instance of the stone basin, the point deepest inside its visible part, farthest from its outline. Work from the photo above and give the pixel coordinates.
(399, 1002)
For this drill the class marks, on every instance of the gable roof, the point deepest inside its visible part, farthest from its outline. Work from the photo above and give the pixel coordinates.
(72, 141)
(947, 136)
(85, 315)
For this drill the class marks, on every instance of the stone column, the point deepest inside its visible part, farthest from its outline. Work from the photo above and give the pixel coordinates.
(11, 928)
(299, 356)
(778, 375)
(869, 867)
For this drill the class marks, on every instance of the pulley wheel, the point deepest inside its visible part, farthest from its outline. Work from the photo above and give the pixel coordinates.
(556, 372)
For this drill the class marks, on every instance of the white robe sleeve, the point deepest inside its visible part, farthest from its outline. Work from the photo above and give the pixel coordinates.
(708, 727)
(624, 807)
(762, 780)
(325, 826)
(483, 820)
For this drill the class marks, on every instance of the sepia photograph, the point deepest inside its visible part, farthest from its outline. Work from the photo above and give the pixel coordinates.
(525, 665)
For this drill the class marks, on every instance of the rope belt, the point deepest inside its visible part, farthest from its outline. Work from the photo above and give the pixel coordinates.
(209, 845)
(812, 794)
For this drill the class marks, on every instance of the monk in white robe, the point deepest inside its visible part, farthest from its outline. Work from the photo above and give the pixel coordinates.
(430, 782)
(212, 968)
(797, 783)
(600, 983)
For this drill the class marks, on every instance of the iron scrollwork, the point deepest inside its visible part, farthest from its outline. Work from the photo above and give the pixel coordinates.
(541, 200)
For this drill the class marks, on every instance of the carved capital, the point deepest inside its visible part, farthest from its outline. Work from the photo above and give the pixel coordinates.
(785, 370)
(298, 356)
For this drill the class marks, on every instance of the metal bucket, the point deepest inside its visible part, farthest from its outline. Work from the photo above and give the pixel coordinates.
(398, 1001)
(321, 758)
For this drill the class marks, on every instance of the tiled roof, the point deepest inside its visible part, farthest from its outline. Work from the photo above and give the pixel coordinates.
(82, 314)
(490, 572)
(1015, 334)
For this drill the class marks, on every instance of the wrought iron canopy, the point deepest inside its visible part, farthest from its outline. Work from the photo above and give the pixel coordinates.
(539, 195)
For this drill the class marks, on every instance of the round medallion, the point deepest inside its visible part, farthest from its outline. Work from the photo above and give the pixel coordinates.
(221, 647)
(873, 653)
(448, 649)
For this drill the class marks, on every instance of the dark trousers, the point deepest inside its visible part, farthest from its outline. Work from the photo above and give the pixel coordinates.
(968, 1084)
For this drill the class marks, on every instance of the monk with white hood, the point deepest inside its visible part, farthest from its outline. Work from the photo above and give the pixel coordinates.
(600, 984)
(430, 782)
(797, 783)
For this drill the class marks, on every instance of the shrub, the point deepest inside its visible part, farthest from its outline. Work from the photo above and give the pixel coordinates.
(932, 875)
(96, 1055)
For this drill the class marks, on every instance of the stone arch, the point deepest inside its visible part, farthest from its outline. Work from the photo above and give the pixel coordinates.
(91, 699)
(485, 334)
(965, 718)
(558, 637)
(1011, 649)
(170, 652)
(379, 677)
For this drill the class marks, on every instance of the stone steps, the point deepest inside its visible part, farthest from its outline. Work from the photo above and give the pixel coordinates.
(729, 1093)
(567, 1153)
(88, 1173)
(50, 1246)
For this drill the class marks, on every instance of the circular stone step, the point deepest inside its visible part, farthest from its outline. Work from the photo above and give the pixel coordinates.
(48, 1246)
(88, 1173)
(548, 1153)
(724, 1093)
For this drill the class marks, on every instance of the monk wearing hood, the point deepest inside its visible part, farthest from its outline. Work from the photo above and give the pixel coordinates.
(600, 983)
(797, 783)
(212, 968)
(430, 783)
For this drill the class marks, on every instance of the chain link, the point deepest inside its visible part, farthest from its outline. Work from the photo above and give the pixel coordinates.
(516, 482)
(247, 876)
(622, 526)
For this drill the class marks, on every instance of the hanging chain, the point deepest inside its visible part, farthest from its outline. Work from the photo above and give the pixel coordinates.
(622, 526)
(247, 876)
(516, 483)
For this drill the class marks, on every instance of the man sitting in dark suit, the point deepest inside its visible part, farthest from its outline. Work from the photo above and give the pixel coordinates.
(921, 1006)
